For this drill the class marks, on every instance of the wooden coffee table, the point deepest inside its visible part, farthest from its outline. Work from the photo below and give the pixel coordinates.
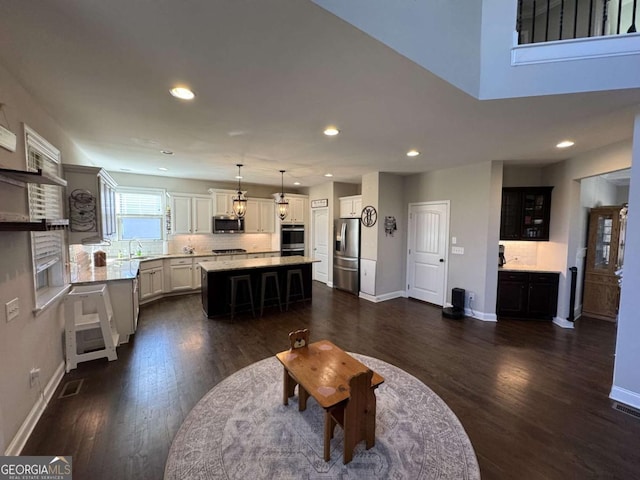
(323, 371)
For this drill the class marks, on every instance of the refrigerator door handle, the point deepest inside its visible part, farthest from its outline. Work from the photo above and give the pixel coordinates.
(343, 233)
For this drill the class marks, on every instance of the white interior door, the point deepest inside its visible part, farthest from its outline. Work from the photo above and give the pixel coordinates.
(320, 247)
(427, 251)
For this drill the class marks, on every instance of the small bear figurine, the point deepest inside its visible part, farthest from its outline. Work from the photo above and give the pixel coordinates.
(299, 338)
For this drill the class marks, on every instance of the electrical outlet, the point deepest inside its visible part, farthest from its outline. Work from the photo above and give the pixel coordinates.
(34, 374)
(472, 296)
(12, 309)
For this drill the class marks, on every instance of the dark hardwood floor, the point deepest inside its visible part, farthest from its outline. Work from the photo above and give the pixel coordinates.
(532, 397)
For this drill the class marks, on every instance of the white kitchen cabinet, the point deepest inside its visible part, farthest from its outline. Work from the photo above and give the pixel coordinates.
(197, 279)
(181, 274)
(255, 255)
(298, 206)
(91, 203)
(271, 254)
(191, 214)
(124, 301)
(222, 201)
(260, 216)
(151, 279)
(351, 207)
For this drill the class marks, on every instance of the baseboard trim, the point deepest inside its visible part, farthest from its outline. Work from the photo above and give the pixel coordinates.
(20, 439)
(330, 284)
(563, 322)
(383, 297)
(485, 317)
(625, 396)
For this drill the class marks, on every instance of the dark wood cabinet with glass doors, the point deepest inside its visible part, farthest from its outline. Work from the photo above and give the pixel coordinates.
(525, 213)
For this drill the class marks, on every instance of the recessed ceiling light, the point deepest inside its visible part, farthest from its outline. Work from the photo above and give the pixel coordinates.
(162, 169)
(413, 153)
(328, 174)
(182, 92)
(331, 131)
(296, 183)
(239, 177)
(166, 152)
(565, 144)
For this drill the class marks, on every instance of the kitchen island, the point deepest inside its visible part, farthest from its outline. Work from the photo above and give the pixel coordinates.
(216, 284)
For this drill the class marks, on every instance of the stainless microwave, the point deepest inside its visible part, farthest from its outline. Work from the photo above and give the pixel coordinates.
(227, 224)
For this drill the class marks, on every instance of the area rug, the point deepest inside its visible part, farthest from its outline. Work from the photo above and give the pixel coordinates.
(241, 430)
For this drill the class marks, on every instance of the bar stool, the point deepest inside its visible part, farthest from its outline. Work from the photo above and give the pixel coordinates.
(291, 275)
(265, 277)
(236, 282)
(87, 308)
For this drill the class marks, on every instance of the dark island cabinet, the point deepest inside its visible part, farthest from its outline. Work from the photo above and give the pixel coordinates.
(532, 295)
(525, 213)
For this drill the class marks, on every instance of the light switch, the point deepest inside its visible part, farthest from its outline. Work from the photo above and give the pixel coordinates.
(12, 309)
(457, 250)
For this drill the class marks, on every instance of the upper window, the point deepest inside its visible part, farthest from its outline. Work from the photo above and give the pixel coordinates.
(140, 213)
(45, 202)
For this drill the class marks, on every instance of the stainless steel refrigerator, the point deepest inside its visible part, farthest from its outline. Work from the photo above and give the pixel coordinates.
(346, 254)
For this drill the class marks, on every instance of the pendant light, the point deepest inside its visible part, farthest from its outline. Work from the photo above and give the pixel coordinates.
(239, 201)
(283, 203)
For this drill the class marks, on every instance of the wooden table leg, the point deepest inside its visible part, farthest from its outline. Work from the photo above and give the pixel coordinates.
(370, 434)
(288, 387)
(303, 395)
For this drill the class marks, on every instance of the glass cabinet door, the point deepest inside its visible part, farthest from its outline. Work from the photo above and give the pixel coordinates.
(604, 226)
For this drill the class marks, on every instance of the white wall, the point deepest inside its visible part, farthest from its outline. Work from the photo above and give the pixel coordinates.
(27, 341)
(470, 191)
(626, 374)
(474, 40)
(391, 262)
(565, 243)
(369, 235)
(413, 29)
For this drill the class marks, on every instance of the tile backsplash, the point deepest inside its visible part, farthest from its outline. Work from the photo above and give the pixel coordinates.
(520, 253)
(82, 254)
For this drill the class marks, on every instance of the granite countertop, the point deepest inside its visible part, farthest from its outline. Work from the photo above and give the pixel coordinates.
(226, 265)
(122, 269)
(115, 270)
(526, 268)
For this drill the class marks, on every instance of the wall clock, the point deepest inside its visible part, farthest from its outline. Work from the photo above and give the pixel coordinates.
(369, 216)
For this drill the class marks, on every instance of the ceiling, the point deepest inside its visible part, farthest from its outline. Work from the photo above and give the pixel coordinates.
(269, 76)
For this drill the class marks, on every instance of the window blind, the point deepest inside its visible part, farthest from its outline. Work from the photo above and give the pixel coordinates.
(137, 203)
(47, 249)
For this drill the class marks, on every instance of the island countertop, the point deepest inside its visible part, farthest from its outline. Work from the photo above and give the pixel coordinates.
(243, 264)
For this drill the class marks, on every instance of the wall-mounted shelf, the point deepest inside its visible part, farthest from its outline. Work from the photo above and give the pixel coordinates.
(20, 178)
(41, 226)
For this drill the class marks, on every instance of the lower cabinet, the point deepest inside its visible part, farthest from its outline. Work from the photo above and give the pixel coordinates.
(124, 301)
(151, 279)
(531, 295)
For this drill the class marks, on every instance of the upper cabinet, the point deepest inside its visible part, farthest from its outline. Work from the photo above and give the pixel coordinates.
(525, 213)
(190, 214)
(91, 196)
(260, 216)
(351, 207)
(222, 201)
(298, 206)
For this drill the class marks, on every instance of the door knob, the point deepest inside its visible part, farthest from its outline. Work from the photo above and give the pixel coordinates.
(442, 260)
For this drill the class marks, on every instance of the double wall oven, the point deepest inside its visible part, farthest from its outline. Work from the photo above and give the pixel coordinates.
(292, 240)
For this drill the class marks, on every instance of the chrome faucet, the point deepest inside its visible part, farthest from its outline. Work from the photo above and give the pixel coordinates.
(139, 246)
